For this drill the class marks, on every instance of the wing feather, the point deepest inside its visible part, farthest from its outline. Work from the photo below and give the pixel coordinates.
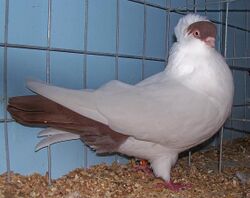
(160, 113)
(80, 101)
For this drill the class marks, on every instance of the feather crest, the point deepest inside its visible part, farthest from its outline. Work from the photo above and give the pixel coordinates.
(184, 22)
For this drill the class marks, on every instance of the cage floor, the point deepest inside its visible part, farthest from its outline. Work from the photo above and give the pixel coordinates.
(122, 181)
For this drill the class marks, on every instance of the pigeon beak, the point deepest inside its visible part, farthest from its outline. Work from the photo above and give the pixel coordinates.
(210, 41)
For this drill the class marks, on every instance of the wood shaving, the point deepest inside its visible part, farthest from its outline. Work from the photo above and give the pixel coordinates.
(119, 180)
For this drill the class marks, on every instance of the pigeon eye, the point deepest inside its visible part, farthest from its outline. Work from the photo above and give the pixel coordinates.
(196, 33)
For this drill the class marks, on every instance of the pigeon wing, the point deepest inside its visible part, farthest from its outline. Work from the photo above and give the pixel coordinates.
(79, 101)
(161, 113)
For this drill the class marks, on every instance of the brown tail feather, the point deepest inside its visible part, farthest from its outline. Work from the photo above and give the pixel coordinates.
(32, 103)
(39, 111)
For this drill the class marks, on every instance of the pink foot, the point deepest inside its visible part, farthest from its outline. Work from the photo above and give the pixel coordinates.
(173, 186)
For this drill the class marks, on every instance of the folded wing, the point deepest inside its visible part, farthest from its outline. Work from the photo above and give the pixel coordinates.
(152, 112)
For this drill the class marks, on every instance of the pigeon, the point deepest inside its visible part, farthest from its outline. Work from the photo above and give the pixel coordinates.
(155, 119)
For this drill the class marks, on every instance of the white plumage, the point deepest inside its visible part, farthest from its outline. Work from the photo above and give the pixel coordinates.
(164, 114)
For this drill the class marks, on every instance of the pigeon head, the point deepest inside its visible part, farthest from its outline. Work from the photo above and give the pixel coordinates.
(196, 26)
(203, 30)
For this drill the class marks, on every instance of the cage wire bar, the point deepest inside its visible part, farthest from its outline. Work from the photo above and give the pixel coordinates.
(85, 37)
(48, 80)
(225, 55)
(117, 48)
(168, 10)
(190, 150)
(6, 139)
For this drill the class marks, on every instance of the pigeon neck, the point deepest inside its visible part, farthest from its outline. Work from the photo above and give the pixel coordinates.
(202, 69)
(184, 57)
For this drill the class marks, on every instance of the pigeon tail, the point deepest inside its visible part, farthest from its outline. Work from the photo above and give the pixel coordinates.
(52, 139)
(42, 112)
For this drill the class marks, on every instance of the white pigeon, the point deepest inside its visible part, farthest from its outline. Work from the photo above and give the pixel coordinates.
(155, 119)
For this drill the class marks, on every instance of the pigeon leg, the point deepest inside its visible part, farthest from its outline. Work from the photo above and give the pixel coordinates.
(173, 186)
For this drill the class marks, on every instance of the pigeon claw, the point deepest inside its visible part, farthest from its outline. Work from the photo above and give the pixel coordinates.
(173, 186)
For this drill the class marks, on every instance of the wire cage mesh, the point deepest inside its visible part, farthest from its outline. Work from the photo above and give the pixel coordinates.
(127, 40)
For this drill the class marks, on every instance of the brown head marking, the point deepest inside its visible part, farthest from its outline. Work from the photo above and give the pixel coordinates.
(203, 30)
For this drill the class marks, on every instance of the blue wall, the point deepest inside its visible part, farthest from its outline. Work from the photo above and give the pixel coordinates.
(238, 45)
(76, 28)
